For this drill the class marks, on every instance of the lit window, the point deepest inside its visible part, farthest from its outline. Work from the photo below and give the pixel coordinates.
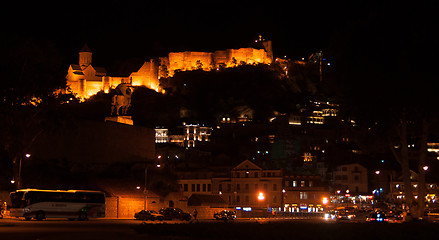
(303, 195)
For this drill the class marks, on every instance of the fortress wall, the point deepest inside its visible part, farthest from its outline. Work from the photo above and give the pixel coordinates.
(186, 61)
(92, 87)
(146, 76)
(112, 82)
(176, 61)
(221, 57)
(150, 72)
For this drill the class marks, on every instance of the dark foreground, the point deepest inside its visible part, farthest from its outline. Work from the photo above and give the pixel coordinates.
(267, 230)
(291, 230)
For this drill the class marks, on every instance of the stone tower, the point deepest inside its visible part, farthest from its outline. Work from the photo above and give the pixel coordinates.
(268, 47)
(85, 57)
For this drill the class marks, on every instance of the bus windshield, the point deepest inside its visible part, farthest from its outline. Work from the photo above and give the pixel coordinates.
(17, 200)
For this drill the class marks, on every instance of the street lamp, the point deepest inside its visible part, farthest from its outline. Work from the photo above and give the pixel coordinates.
(27, 155)
(261, 196)
(425, 168)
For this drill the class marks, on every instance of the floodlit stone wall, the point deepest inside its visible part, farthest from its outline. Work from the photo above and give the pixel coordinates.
(84, 80)
(147, 76)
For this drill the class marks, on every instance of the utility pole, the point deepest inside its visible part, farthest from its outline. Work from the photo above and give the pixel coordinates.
(144, 188)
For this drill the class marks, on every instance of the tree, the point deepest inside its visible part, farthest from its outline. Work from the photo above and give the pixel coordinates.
(30, 72)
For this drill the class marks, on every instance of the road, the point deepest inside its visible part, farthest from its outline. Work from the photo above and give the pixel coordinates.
(63, 229)
(107, 229)
(17, 229)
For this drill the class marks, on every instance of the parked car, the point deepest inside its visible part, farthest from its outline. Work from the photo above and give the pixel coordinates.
(175, 213)
(225, 215)
(149, 215)
(378, 216)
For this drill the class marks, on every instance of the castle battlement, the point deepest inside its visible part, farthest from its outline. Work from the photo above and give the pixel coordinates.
(84, 80)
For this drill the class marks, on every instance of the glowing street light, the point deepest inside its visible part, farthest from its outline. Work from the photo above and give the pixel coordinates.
(325, 200)
(261, 196)
(425, 168)
(377, 172)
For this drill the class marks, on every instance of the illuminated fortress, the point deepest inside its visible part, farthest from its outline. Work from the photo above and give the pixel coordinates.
(85, 80)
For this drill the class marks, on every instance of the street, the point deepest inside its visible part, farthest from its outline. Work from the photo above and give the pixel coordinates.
(18, 229)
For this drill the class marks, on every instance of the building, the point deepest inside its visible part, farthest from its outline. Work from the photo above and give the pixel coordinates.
(352, 177)
(196, 133)
(146, 76)
(247, 185)
(195, 186)
(124, 198)
(161, 135)
(250, 186)
(397, 191)
(304, 193)
(85, 80)
(189, 135)
(261, 53)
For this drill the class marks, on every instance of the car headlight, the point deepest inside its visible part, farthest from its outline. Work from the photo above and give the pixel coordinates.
(26, 210)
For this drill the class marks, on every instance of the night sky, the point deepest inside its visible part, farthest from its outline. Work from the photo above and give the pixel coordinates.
(118, 30)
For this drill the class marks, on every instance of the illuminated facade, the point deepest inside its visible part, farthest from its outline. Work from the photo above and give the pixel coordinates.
(187, 61)
(85, 80)
(188, 136)
(196, 133)
(304, 194)
(161, 135)
(250, 186)
(397, 191)
(146, 76)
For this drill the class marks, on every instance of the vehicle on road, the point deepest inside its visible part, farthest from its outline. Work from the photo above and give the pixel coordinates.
(149, 215)
(225, 215)
(72, 204)
(344, 215)
(378, 216)
(175, 213)
(395, 215)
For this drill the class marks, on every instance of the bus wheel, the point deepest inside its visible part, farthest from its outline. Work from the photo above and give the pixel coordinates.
(82, 216)
(27, 218)
(40, 216)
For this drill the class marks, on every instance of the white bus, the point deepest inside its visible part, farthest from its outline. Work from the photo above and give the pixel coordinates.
(72, 204)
